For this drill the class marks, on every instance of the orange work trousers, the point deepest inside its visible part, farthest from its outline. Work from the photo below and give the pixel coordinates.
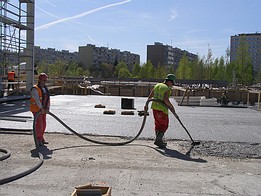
(161, 121)
(40, 126)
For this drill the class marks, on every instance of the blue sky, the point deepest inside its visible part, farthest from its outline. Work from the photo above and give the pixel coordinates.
(131, 25)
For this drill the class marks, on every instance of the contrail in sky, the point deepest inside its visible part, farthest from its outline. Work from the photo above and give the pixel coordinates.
(80, 15)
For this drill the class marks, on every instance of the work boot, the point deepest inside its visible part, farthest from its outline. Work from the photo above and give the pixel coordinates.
(158, 141)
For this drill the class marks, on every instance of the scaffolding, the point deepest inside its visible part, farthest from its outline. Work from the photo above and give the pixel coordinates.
(17, 41)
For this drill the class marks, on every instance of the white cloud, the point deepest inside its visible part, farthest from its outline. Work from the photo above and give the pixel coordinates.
(173, 15)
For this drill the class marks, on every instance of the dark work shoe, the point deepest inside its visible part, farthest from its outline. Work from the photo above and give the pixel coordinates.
(160, 144)
(159, 140)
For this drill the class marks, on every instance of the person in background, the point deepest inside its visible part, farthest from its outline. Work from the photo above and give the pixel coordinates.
(11, 79)
(162, 92)
(40, 101)
(223, 99)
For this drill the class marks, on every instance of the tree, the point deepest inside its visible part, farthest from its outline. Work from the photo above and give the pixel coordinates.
(209, 64)
(136, 71)
(74, 69)
(147, 70)
(258, 77)
(160, 72)
(184, 70)
(107, 70)
(118, 67)
(221, 71)
(124, 73)
(42, 67)
(244, 65)
(230, 73)
(227, 57)
(197, 69)
(57, 69)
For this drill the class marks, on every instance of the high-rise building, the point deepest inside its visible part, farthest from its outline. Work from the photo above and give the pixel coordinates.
(253, 41)
(159, 54)
(91, 55)
(50, 55)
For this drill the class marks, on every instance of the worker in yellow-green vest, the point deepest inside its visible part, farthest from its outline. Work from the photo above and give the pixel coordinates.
(40, 101)
(162, 92)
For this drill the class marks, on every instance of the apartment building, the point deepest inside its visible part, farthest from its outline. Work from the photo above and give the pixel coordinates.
(254, 48)
(50, 55)
(160, 54)
(90, 55)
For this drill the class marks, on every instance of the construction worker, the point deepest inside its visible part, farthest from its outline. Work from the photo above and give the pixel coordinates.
(223, 99)
(162, 91)
(40, 101)
(10, 79)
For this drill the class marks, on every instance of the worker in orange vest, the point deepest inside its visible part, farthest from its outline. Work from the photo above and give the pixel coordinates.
(40, 101)
(11, 78)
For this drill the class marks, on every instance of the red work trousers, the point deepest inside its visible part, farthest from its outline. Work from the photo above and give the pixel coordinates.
(40, 126)
(161, 121)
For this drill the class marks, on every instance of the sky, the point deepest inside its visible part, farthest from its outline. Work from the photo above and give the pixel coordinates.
(131, 25)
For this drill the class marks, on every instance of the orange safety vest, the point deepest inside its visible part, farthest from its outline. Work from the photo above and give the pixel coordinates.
(11, 76)
(44, 99)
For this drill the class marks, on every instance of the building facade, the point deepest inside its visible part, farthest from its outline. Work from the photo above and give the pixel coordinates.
(159, 55)
(91, 55)
(50, 55)
(254, 48)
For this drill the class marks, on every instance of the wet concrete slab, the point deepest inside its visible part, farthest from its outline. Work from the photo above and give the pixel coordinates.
(227, 162)
(203, 123)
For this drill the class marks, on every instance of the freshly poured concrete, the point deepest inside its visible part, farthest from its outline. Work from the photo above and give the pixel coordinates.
(219, 166)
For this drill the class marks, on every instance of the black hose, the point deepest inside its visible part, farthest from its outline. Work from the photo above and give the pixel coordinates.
(109, 143)
(31, 170)
(25, 173)
(135, 137)
(7, 154)
(15, 177)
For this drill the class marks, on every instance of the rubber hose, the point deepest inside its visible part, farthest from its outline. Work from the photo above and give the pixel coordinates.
(109, 143)
(7, 154)
(31, 170)
(27, 172)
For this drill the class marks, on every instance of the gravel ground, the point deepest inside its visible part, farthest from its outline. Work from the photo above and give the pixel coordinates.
(138, 168)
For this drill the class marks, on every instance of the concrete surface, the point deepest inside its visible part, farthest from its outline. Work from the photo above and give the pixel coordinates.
(135, 169)
(226, 163)
(203, 123)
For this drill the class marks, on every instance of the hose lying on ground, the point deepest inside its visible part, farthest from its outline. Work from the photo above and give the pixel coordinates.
(29, 171)
(15, 177)
(18, 176)
(106, 143)
(7, 154)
